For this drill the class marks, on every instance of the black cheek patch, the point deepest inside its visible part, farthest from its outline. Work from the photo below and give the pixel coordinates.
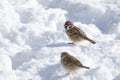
(65, 26)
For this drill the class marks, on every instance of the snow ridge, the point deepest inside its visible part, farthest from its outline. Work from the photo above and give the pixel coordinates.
(32, 37)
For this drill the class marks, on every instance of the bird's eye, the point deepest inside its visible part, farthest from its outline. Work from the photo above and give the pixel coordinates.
(70, 27)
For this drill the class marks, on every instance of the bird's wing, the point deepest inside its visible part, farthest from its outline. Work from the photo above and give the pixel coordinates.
(74, 61)
(78, 31)
(78, 63)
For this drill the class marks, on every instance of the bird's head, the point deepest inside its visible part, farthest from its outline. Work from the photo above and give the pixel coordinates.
(68, 25)
(63, 54)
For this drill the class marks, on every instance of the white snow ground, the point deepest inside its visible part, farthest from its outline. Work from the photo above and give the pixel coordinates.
(32, 38)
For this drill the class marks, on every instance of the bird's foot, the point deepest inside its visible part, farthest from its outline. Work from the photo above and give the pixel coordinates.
(67, 74)
(71, 43)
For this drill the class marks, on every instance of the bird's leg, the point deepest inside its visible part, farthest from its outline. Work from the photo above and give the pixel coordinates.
(71, 43)
(67, 74)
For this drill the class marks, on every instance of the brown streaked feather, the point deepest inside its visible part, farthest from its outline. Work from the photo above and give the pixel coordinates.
(90, 40)
(70, 63)
(76, 31)
(85, 67)
(81, 33)
(73, 60)
(76, 62)
(75, 34)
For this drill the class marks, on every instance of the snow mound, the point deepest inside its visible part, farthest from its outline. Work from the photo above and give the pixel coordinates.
(32, 38)
(6, 72)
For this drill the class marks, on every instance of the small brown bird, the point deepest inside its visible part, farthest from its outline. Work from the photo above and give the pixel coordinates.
(70, 63)
(75, 33)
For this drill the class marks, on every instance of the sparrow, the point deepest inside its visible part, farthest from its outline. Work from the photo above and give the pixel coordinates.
(75, 33)
(70, 63)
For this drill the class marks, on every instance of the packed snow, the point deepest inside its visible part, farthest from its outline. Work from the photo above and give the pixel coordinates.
(32, 37)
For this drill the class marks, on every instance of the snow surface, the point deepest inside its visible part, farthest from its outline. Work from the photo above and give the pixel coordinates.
(32, 37)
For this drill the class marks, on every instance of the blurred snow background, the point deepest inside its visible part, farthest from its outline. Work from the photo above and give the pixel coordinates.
(32, 37)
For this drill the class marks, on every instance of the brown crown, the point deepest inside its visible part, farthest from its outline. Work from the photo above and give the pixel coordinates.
(67, 23)
(64, 53)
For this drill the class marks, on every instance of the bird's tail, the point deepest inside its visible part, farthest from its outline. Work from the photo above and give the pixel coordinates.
(86, 67)
(90, 40)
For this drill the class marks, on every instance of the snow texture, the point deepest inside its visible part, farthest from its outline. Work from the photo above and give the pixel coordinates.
(32, 37)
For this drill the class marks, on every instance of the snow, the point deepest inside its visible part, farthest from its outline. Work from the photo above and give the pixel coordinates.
(6, 72)
(32, 38)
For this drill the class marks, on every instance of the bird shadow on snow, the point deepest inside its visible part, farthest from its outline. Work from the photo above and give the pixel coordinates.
(51, 72)
(60, 44)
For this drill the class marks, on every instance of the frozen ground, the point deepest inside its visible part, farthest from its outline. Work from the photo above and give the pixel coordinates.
(32, 38)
